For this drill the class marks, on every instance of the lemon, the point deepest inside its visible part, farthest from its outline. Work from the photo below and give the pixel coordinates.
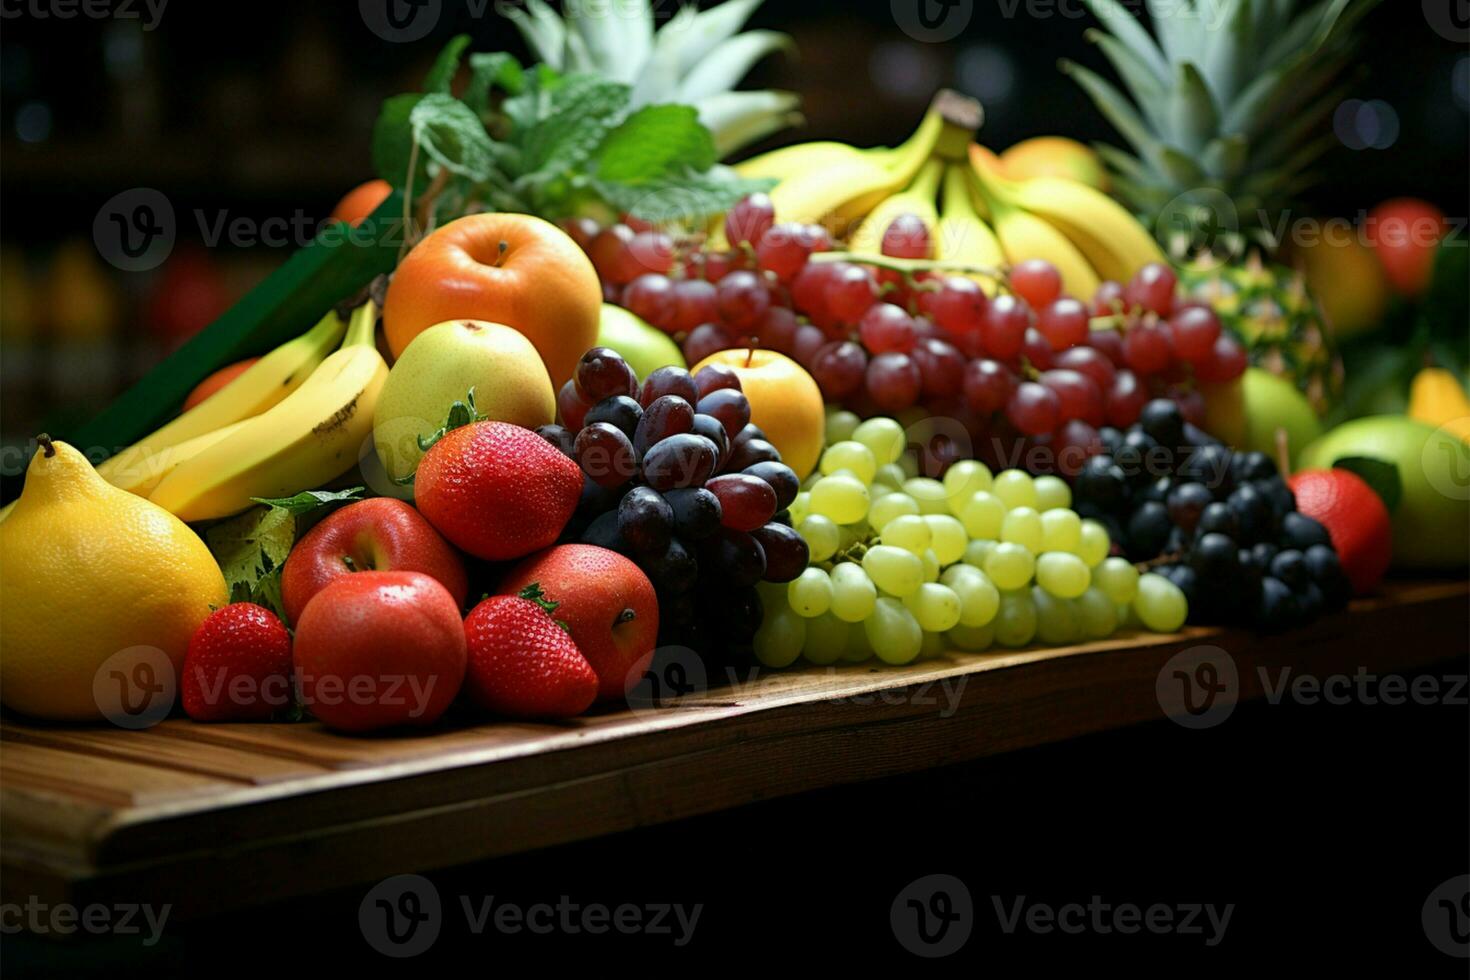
(88, 571)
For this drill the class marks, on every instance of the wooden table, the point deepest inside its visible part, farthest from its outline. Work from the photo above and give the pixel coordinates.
(209, 817)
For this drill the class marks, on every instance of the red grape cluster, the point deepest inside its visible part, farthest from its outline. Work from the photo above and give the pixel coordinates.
(677, 478)
(1028, 368)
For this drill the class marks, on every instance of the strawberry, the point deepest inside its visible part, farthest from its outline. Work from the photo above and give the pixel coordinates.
(522, 662)
(1355, 518)
(238, 666)
(496, 490)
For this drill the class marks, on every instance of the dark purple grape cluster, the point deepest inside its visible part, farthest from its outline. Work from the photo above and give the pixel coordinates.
(677, 478)
(1221, 525)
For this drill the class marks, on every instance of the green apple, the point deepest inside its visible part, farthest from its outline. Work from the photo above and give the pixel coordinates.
(1246, 413)
(644, 346)
(439, 367)
(1431, 524)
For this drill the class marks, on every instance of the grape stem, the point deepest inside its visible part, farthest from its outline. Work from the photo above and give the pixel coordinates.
(908, 266)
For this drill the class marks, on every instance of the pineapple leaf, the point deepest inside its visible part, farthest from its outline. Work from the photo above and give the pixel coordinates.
(1225, 60)
(1111, 103)
(723, 68)
(1225, 157)
(737, 119)
(709, 28)
(1182, 168)
(1124, 163)
(1193, 118)
(1142, 84)
(441, 75)
(616, 37)
(542, 30)
(660, 72)
(1178, 27)
(1133, 35)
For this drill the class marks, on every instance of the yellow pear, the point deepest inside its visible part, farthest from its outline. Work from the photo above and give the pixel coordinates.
(88, 572)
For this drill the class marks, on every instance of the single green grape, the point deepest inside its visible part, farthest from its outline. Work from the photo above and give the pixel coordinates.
(971, 639)
(840, 424)
(1061, 530)
(1063, 575)
(852, 456)
(962, 481)
(931, 565)
(810, 593)
(891, 506)
(979, 598)
(908, 463)
(1009, 566)
(780, 638)
(935, 606)
(894, 570)
(1015, 622)
(982, 515)
(822, 537)
(851, 534)
(826, 639)
(908, 532)
(893, 632)
(883, 436)
(1160, 604)
(853, 592)
(1014, 488)
(801, 508)
(841, 497)
(947, 537)
(1097, 614)
(1022, 526)
(1093, 543)
(976, 551)
(1056, 620)
(890, 475)
(929, 494)
(1052, 493)
(1117, 578)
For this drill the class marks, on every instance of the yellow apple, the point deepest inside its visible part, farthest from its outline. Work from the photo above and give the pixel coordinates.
(785, 402)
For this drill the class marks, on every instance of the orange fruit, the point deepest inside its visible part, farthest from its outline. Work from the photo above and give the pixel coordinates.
(785, 403)
(514, 269)
(1405, 232)
(1355, 518)
(361, 201)
(216, 381)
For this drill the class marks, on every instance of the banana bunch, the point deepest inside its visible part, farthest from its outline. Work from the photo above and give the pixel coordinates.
(1086, 234)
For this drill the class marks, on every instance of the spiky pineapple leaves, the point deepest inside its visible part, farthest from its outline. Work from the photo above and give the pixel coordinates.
(552, 142)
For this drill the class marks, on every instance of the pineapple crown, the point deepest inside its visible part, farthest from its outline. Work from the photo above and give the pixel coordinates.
(1228, 99)
(696, 58)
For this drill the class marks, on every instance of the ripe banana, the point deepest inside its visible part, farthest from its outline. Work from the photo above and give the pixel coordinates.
(145, 471)
(1025, 236)
(789, 161)
(1113, 241)
(312, 436)
(917, 199)
(259, 387)
(963, 237)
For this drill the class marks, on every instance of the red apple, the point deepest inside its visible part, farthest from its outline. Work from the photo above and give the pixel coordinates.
(381, 534)
(379, 649)
(1406, 233)
(607, 603)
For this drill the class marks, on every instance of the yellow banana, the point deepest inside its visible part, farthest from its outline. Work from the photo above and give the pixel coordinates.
(145, 471)
(1113, 241)
(259, 387)
(917, 199)
(1435, 397)
(963, 236)
(1025, 236)
(788, 161)
(312, 436)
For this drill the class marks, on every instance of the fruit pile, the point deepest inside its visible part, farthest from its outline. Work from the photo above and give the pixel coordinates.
(1222, 526)
(677, 478)
(907, 566)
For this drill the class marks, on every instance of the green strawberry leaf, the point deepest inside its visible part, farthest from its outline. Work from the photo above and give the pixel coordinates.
(309, 500)
(1380, 475)
(460, 414)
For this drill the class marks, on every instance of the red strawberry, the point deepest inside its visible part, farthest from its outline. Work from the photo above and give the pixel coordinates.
(522, 662)
(496, 490)
(1355, 519)
(238, 666)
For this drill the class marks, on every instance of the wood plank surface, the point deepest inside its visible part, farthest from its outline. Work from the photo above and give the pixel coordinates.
(212, 816)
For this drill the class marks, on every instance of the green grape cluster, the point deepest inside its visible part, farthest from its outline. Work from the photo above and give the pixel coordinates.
(904, 566)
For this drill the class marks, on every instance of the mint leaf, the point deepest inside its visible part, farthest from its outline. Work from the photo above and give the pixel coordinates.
(685, 197)
(531, 104)
(652, 142)
(489, 71)
(309, 500)
(393, 141)
(1381, 476)
(441, 75)
(453, 136)
(579, 113)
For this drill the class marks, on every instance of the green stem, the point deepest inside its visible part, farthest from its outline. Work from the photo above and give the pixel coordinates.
(362, 325)
(908, 266)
